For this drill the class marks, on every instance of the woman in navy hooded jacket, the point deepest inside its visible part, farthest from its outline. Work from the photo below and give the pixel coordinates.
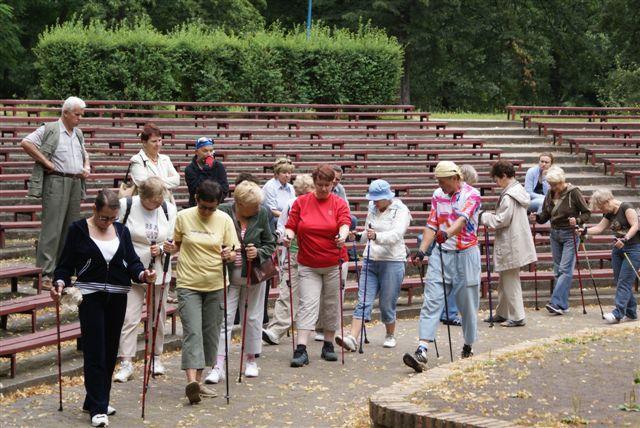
(100, 254)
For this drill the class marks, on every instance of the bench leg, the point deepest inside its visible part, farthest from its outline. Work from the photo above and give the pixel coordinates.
(410, 296)
(33, 321)
(13, 366)
(14, 285)
(173, 325)
(3, 321)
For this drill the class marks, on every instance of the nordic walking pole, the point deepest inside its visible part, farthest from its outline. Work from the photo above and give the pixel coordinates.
(289, 284)
(626, 256)
(154, 327)
(341, 282)
(226, 336)
(146, 349)
(575, 249)
(488, 264)
(535, 270)
(593, 281)
(363, 328)
(355, 251)
(244, 318)
(59, 350)
(446, 302)
(435, 342)
(151, 315)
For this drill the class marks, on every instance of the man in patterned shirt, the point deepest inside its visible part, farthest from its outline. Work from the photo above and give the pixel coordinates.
(453, 224)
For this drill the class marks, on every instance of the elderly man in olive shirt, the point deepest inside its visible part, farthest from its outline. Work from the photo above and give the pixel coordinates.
(58, 178)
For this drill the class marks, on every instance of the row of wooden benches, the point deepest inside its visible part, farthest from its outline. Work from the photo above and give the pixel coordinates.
(512, 110)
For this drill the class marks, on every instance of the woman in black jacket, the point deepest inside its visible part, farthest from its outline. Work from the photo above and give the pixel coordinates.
(203, 167)
(100, 254)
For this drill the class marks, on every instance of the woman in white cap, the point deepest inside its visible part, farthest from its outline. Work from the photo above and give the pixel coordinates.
(384, 262)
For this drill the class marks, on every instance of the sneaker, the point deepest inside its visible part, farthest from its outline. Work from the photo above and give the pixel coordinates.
(496, 319)
(268, 337)
(300, 357)
(158, 367)
(349, 342)
(554, 309)
(628, 319)
(610, 318)
(125, 373)
(110, 411)
(512, 323)
(319, 337)
(389, 341)
(251, 369)
(417, 361)
(207, 392)
(328, 353)
(100, 420)
(192, 391)
(215, 375)
(466, 351)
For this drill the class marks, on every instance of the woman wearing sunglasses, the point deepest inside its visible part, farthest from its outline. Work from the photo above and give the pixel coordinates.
(205, 237)
(100, 254)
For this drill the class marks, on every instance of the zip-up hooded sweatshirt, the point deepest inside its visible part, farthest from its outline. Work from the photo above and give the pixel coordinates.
(390, 227)
(571, 203)
(82, 257)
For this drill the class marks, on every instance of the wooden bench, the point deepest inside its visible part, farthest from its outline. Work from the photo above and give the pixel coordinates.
(630, 177)
(10, 347)
(610, 163)
(24, 305)
(5, 225)
(15, 272)
(545, 127)
(559, 134)
(591, 152)
(512, 110)
(527, 118)
(575, 143)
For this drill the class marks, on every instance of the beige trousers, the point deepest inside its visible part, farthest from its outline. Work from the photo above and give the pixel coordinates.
(281, 320)
(510, 305)
(135, 304)
(319, 287)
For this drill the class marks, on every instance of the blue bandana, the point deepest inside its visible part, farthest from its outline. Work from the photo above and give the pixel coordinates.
(203, 141)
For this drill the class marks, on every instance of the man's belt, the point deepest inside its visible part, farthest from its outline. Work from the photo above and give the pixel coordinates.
(64, 174)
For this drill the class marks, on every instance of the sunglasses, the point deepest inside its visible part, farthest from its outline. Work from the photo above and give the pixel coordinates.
(107, 219)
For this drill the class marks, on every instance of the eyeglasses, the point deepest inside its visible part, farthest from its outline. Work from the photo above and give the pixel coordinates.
(107, 219)
(205, 208)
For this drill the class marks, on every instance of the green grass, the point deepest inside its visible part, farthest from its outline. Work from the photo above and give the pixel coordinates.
(468, 115)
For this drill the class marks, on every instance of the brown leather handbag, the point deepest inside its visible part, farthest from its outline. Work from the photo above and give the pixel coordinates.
(265, 271)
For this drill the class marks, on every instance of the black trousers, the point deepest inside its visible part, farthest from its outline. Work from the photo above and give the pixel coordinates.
(101, 319)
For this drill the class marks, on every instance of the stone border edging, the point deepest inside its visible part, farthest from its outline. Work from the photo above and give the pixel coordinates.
(390, 406)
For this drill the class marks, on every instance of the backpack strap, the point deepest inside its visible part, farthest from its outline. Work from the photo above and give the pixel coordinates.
(165, 209)
(128, 210)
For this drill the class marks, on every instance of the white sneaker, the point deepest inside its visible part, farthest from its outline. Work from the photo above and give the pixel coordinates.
(215, 375)
(100, 420)
(158, 367)
(348, 342)
(389, 341)
(627, 319)
(110, 411)
(125, 372)
(251, 369)
(319, 337)
(610, 318)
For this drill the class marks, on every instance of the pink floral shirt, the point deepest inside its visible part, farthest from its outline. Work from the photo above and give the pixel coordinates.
(445, 210)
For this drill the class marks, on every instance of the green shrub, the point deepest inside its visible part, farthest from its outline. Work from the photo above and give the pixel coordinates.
(192, 63)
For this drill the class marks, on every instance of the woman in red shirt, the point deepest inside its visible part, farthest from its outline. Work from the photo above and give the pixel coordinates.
(320, 220)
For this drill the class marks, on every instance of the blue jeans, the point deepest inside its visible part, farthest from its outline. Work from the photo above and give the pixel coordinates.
(462, 279)
(536, 203)
(624, 275)
(383, 279)
(563, 242)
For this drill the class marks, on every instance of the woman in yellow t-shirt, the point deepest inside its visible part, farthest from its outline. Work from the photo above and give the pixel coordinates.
(200, 234)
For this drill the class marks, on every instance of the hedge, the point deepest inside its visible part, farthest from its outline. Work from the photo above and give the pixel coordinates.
(192, 64)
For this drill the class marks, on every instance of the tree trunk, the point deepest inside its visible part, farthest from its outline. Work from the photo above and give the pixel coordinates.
(405, 82)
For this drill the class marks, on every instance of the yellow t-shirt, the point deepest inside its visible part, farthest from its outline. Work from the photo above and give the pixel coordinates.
(199, 263)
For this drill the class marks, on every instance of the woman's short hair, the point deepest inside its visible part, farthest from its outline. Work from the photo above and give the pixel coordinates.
(501, 169)
(547, 154)
(246, 176)
(599, 198)
(152, 188)
(209, 191)
(283, 165)
(150, 129)
(106, 198)
(555, 174)
(469, 174)
(247, 193)
(303, 184)
(323, 172)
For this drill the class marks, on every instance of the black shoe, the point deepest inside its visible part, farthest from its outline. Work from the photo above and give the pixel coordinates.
(328, 353)
(496, 319)
(267, 338)
(417, 361)
(300, 357)
(466, 351)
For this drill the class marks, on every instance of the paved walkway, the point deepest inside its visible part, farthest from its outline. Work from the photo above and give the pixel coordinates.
(321, 394)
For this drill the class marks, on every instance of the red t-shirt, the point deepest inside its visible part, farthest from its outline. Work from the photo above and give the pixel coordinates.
(316, 223)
